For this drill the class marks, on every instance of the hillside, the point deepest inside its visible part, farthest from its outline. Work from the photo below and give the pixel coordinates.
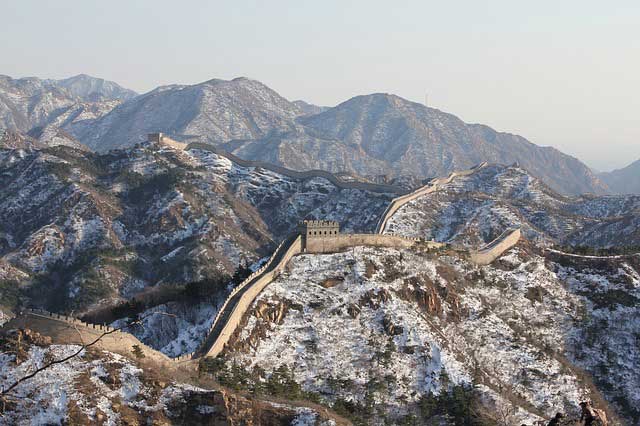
(78, 228)
(104, 388)
(513, 340)
(625, 180)
(385, 134)
(476, 208)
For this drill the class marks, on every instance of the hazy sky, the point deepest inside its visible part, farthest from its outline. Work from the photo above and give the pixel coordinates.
(561, 73)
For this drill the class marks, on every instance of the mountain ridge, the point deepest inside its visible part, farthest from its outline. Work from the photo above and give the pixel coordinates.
(625, 180)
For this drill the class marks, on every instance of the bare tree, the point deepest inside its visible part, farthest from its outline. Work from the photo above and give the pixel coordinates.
(5, 392)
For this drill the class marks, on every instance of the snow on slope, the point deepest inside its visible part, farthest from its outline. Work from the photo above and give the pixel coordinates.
(108, 389)
(476, 208)
(515, 329)
(129, 219)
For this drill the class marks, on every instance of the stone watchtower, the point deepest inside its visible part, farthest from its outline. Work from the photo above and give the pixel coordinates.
(316, 229)
(155, 137)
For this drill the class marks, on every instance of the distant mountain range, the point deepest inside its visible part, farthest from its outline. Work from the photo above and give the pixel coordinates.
(625, 180)
(377, 136)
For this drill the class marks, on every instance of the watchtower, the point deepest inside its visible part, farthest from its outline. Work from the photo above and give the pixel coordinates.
(314, 229)
(155, 137)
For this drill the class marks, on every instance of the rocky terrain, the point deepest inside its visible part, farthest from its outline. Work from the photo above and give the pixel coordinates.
(78, 228)
(513, 342)
(108, 389)
(625, 180)
(476, 208)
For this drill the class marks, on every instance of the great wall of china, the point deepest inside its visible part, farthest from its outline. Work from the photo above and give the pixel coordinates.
(306, 175)
(312, 237)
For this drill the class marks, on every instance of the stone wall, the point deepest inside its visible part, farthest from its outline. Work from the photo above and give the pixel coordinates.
(250, 295)
(166, 141)
(432, 186)
(342, 241)
(495, 248)
(68, 330)
(311, 174)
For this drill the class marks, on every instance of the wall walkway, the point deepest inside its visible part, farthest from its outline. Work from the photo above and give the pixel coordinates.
(310, 174)
(432, 186)
(68, 330)
(242, 296)
(495, 248)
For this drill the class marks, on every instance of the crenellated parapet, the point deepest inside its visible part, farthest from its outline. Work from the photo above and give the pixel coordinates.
(64, 329)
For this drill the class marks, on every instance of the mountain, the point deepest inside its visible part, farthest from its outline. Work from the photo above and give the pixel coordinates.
(309, 109)
(215, 111)
(385, 134)
(379, 136)
(92, 89)
(625, 180)
(45, 109)
(26, 103)
(474, 209)
(78, 229)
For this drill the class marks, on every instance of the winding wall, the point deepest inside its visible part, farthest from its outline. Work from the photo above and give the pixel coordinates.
(242, 296)
(495, 248)
(68, 330)
(342, 241)
(71, 330)
(310, 174)
(432, 186)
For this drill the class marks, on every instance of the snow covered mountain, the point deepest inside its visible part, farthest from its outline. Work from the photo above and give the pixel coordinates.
(385, 134)
(78, 228)
(625, 180)
(475, 209)
(45, 109)
(215, 111)
(92, 89)
(370, 135)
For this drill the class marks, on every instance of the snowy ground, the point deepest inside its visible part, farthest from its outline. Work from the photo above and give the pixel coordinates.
(512, 329)
(174, 328)
(107, 389)
(476, 208)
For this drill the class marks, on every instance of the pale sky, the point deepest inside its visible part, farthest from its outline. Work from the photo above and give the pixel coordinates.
(560, 73)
